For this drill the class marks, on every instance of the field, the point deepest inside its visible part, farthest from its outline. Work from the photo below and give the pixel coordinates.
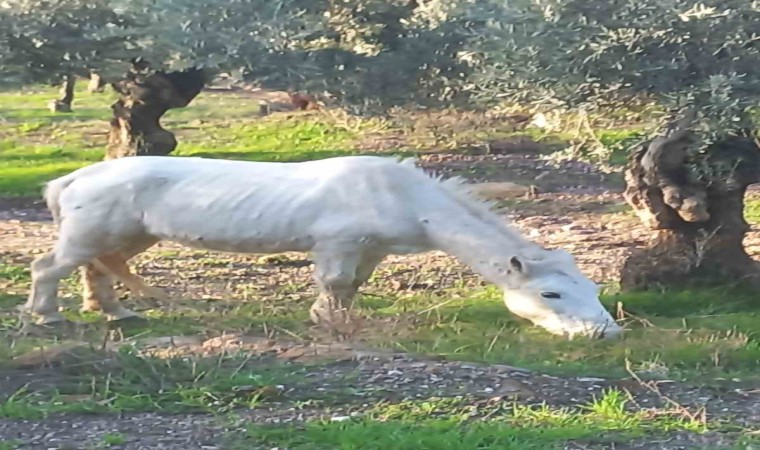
(231, 362)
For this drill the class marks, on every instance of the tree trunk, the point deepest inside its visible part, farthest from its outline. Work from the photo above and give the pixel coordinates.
(97, 83)
(63, 104)
(697, 221)
(145, 95)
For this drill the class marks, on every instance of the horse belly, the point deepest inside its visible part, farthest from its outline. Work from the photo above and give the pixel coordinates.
(247, 244)
(384, 233)
(231, 234)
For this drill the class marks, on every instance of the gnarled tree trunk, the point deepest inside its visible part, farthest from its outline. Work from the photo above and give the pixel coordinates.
(697, 221)
(63, 104)
(145, 95)
(97, 84)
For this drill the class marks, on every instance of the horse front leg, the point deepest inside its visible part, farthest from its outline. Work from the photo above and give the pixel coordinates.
(339, 274)
(333, 305)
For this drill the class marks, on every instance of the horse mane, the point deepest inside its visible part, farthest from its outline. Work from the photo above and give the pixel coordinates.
(462, 192)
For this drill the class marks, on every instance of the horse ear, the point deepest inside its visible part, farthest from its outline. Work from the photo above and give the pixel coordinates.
(517, 265)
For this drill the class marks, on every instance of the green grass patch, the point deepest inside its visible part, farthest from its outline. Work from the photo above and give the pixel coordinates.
(14, 273)
(426, 434)
(461, 424)
(701, 334)
(688, 335)
(113, 439)
(247, 317)
(25, 168)
(10, 445)
(37, 145)
(29, 105)
(696, 335)
(131, 382)
(619, 143)
(269, 140)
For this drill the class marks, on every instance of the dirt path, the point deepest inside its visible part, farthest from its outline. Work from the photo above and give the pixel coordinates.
(349, 388)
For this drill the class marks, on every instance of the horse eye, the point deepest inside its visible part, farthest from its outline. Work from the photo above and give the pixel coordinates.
(551, 295)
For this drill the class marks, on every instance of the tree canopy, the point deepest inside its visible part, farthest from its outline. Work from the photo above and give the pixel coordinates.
(40, 39)
(575, 53)
(698, 54)
(361, 51)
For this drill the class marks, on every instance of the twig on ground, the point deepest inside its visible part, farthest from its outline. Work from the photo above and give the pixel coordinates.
(699, 416)
(622, 314)
(290, 333)
(436, 306)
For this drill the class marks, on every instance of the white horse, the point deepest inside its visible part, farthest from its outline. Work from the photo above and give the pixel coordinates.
(349, 212)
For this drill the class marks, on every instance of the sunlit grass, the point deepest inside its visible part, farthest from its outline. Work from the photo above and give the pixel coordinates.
(458, 424)
(37, 145)
(689, 335)
(127, 381)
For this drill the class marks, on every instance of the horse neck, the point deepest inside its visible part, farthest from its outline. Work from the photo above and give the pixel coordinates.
(483, 245)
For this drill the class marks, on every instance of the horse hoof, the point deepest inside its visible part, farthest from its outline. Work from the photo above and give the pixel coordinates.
(327, 317)
(127, 321)
(57, 328)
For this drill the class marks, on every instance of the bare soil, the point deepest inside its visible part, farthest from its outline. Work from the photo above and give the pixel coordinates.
(350, 386)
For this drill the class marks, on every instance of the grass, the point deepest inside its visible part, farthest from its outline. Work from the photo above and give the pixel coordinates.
(36, 145)
(14, 273)
(24, 168)
(113, 439)
(93, 382)
(695, 335)
(686, 335)
(458, 424)
(699, 336)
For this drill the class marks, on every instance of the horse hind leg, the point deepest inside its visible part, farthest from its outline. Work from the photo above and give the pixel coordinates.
(47, 272)
(97, 280)
(116, 265)
(98, 294)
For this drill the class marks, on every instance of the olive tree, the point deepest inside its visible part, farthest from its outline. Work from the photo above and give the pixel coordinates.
(181, 43)
(696, 60)
(52, 41)
(168, 50)
(370, 55)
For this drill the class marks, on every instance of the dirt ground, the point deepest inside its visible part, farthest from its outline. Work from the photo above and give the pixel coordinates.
(374, 378)
(577, 208)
